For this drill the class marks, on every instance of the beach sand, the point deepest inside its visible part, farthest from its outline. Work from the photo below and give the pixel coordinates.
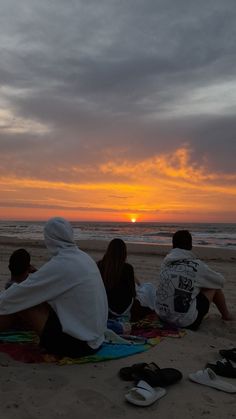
(32, 391)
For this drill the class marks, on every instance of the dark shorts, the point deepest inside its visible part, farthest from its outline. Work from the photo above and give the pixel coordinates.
(55, 341)
(202, 308)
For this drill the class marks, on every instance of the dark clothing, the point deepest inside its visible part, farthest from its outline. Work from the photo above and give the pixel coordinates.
(9, 283)
(203, 306)
(55, 341)
(120, 297)
(138, 312)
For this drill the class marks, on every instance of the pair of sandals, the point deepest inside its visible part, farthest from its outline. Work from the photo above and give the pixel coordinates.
(224, 367)
(147, 377)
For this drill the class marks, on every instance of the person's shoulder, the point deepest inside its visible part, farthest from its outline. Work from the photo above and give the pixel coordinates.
(128, 268)
(128, 265)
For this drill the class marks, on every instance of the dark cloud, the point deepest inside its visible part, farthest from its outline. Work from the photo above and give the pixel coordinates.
(131, 76)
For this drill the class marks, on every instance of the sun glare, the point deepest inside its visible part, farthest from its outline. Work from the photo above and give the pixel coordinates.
(133, 220)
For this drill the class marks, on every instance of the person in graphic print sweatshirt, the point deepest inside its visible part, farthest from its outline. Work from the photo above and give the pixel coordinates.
(64, 301)
(188, 286)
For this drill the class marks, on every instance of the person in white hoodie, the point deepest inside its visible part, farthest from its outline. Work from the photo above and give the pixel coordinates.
(188, 286)
(64, 302)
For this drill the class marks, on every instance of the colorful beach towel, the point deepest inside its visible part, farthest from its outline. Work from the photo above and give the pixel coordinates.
(151, 327)
(23, 346)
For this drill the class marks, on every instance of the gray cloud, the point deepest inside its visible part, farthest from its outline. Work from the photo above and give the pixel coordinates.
(140, 77)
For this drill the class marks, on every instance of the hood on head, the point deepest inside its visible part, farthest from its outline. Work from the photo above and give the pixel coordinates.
(58, 234)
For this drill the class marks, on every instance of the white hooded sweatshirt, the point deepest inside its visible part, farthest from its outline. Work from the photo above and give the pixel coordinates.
(181, 279)
(70, 282)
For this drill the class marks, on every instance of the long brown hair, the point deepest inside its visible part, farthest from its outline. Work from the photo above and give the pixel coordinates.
(112, 263)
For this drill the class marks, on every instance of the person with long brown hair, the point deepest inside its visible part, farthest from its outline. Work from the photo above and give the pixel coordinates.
(118, 277)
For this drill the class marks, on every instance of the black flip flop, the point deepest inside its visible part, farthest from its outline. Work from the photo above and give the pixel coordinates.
(159, 377)
(229, 354)
(132, 373)
(224, 368)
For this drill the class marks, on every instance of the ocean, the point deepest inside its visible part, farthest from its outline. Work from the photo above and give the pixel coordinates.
(204, 234)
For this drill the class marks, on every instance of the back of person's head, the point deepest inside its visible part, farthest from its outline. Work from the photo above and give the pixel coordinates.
(113, 262)
(58, 234)
(182, 239)
(19, 262)
(116, 251)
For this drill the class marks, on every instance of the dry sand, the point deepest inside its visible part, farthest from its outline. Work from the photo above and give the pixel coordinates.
(30, 391)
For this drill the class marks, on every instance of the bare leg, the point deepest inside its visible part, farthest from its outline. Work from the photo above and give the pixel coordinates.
(218, 298)
(219, 301)
(33, 318)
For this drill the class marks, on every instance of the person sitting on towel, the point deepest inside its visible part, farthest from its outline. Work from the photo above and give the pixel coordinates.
(64, 302)
(120, 283)
(188, 286)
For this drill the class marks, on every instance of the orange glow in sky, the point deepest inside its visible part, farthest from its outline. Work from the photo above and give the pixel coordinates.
(110, 112)
(167, 187)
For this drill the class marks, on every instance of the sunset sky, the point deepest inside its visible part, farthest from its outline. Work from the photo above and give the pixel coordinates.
(118, 109)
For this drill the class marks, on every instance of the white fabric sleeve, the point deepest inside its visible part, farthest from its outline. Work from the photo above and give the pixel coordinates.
(39, 287)
(208, 278)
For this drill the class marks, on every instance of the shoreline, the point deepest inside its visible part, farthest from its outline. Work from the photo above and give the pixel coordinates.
(204, 252)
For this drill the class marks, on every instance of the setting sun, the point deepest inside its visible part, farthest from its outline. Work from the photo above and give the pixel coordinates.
(133, 220)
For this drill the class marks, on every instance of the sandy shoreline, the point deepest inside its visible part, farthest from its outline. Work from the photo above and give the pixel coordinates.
(85, 391)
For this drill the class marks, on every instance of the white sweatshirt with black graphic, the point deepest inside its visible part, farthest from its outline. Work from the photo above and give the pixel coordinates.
(181, 279)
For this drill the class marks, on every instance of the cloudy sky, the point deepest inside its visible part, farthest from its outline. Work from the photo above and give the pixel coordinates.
(114, 109)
